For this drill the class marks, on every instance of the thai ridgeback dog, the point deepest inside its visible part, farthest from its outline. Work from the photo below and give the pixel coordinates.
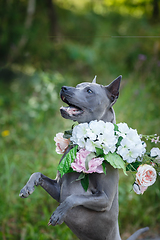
(91, 215)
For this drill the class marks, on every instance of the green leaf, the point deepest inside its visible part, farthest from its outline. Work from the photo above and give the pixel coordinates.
(67, 134)
(85, 182)
(70, 170)
(65, 164)
(88, 158)
(104, 167)
(115, 127)
(81, 176)
(99, 152)
(116, 161)
(119, 141)
(132, 167)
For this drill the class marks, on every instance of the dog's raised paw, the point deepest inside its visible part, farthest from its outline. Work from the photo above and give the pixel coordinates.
(26, 191)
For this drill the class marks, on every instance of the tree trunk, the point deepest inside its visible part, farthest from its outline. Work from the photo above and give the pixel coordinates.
(53, 22)
(27, 24)
(155, 13)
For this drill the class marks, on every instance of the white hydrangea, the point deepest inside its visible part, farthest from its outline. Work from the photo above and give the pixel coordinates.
(123, 129)
(79, 134)
(90, 145)
(131, 146)
(108, 139)
(95, 134)
(102, 135)
(97, 127)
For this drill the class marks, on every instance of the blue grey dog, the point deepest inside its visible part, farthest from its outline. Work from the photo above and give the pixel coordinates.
(91, 215)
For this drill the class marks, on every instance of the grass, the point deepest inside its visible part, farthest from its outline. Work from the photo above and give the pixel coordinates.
(29, 147)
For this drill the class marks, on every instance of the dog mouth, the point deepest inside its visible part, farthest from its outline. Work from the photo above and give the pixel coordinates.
(71, 109)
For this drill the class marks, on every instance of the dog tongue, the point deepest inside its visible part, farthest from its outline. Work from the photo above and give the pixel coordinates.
(71, 110)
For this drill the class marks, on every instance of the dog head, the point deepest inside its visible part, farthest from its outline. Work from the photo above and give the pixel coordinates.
(90, 101)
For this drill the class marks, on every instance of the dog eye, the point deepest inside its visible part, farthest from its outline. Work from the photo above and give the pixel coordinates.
(89, 91)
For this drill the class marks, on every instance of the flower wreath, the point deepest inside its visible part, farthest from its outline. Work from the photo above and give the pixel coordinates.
(98, 142)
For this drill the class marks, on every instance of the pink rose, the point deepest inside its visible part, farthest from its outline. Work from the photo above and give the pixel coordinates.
(145, 177)
(94, 164)
(61, 143)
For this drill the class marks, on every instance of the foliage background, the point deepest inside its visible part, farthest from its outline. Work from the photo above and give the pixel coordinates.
(45, 45)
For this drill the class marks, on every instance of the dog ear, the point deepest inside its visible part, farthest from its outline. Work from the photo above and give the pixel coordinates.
(113, 90)
(94, 80)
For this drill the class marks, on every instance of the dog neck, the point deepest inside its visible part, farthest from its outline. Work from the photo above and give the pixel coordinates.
(109, 116)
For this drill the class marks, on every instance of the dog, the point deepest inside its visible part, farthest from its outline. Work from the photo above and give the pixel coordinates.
(91, 215)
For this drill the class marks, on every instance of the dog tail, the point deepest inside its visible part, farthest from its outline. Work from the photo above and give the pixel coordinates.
(137, 233)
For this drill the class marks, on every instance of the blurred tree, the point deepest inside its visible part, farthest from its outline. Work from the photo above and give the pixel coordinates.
(155, 14)
(53, 22)
(27, 24)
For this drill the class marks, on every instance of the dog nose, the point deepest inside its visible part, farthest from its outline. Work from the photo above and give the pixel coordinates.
(64, 89)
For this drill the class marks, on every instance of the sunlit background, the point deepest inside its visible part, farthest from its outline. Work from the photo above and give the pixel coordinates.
(44, 45)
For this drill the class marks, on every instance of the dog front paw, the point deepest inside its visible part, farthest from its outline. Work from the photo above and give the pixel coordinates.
(26, 191)
(60, 213)
(57, 217)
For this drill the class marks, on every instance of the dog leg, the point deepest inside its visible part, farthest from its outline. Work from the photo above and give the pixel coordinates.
(96, 202)
(36, 179)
